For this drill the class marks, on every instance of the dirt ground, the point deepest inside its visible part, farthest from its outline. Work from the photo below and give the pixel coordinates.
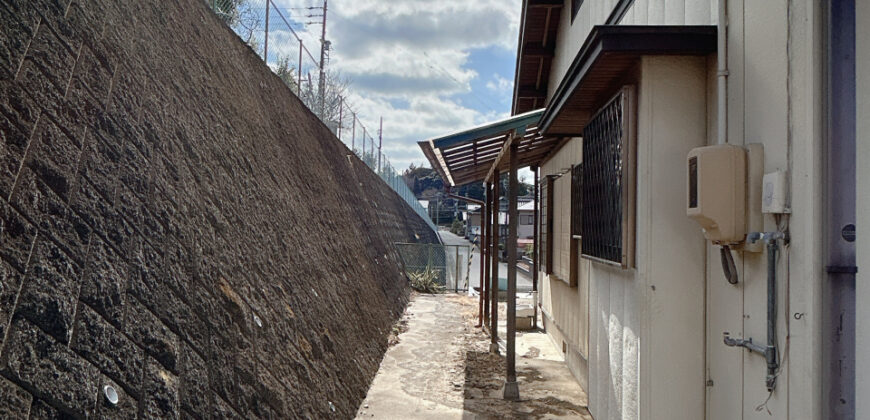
(439, 368)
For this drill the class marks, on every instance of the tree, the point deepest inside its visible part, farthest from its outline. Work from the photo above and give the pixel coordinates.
(240, 16)
(287, 73)
(335, 88)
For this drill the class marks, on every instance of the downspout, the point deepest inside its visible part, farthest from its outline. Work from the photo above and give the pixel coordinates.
(728, 266)
(722, 74)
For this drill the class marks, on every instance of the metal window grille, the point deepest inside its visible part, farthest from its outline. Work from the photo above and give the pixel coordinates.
(607, 182)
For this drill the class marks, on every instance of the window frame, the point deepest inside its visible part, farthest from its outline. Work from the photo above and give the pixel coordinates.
(628, 94)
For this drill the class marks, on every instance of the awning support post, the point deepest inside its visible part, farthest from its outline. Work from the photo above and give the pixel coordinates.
(483, 308)
(493, 289)
(535, 245)
(511, 389)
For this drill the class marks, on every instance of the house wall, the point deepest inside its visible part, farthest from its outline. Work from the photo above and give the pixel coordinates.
(643, 12)
(774, 99)
(862, 49)
(566, 308)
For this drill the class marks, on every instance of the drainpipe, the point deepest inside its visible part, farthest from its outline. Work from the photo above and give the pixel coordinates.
(722, 73)
(728, 266)
(769, 352)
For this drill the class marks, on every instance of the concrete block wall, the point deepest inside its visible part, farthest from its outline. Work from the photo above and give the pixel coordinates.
(177, 225)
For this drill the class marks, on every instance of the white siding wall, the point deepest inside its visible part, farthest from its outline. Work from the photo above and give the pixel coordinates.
(643, 12)
(567, 307)
(775, 98)
(862, 49)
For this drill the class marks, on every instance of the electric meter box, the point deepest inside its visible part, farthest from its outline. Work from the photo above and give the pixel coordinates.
(717, 192)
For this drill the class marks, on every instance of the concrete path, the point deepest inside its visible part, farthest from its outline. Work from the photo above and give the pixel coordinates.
(440, 369)
(524, 282)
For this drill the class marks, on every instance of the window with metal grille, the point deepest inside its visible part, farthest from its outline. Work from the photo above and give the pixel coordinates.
(607, 216)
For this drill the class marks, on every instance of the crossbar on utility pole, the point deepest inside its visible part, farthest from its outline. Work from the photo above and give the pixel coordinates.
(511, 389)
(493, 289)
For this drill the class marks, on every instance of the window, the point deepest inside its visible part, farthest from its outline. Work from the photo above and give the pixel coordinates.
(527, 219)
(547, 225)
(577, 200)
(607, 200)
(575, 8)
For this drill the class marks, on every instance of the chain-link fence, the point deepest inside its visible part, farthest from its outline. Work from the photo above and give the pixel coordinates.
(278, 35)
(452, 263)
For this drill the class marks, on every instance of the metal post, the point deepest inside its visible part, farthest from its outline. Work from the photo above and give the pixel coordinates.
(535, 244)
(482, 245)
(511, 389)
(340, 115)
(299, 71)
(323, 66)
(493, 289)
(380, 143)
(353, 132)
(456, 277)
(364, 144)
(266, 40)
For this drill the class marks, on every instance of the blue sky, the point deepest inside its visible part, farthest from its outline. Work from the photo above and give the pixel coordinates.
(429, 68)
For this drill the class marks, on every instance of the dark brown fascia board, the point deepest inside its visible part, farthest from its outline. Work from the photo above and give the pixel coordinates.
(625, 39)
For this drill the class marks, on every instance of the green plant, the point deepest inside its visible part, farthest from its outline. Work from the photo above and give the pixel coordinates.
(530, 249)
(426, 280)
(457, 228)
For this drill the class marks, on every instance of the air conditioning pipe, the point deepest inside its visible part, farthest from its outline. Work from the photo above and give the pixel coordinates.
(769, 352)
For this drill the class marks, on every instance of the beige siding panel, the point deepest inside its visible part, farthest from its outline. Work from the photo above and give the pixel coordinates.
(697, 12)
(765, 119)
(676, 90)
(862, 48)
(675, 12)
(656, 12)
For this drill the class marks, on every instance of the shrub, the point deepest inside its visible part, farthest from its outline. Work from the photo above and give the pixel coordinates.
(426, 281)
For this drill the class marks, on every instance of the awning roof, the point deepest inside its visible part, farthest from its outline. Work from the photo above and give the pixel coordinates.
(606, 58)
(468, 156)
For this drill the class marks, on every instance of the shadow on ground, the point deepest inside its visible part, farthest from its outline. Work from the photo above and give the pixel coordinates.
(484, 379)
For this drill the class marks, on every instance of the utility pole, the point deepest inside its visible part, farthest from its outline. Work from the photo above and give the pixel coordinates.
(380, 143)
(323, 47)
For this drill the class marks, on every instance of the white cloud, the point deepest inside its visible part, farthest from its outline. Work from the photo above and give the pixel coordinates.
(408, 61)
(500, 84)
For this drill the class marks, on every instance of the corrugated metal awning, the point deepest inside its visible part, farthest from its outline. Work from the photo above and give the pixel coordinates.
(468, 156)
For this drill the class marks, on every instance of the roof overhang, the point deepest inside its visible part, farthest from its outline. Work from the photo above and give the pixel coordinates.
(539, 25)
(472, 155)
(608, 55)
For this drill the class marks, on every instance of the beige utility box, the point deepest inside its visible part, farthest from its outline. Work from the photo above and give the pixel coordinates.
(717, 192)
